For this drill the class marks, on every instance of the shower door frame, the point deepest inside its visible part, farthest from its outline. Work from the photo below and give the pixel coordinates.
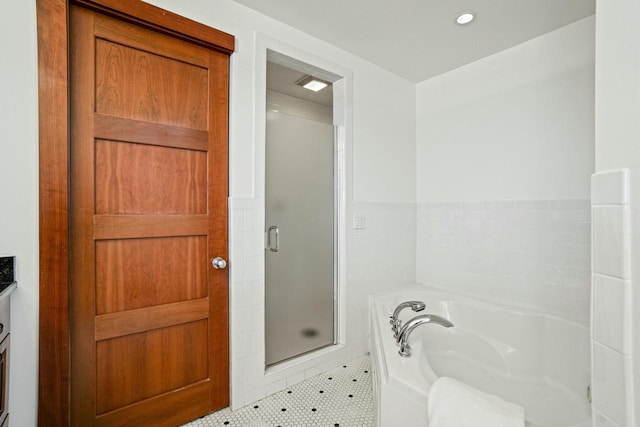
(342, 122)
(342, 184)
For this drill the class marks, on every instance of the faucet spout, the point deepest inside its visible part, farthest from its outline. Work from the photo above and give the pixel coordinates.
(396, 323)
(403, 337)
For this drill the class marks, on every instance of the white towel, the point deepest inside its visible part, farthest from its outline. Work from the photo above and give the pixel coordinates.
(455, 404)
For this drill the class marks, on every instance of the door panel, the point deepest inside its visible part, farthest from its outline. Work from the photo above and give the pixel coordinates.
(130, 370)
(125, 173)
(148, 313)
(137, 273)
(132, 83)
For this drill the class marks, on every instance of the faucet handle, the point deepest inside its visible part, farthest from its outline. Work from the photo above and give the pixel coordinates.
(395, 322)
(414, 305)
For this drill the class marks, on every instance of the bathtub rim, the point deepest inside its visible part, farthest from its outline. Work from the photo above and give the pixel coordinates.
(457, 296)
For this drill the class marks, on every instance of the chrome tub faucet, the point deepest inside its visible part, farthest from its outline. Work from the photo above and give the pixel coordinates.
(396, 323)
(403, 337)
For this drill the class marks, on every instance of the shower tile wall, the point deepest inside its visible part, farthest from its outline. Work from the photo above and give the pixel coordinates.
(378, 258)
(289, 105)
(531, 254)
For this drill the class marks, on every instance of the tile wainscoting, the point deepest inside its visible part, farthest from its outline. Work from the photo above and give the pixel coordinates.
(529, 254)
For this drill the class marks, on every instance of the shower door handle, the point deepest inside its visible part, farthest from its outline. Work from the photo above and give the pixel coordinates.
(272, 248)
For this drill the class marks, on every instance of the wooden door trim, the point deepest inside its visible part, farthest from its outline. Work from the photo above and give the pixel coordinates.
(53, 109)
(154, 18)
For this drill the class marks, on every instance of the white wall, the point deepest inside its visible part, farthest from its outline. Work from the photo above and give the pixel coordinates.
(517, 125)
(616, 368)
(19, 195)
(505, 149)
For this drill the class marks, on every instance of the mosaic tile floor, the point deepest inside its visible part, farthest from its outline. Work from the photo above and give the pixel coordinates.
(342, 397)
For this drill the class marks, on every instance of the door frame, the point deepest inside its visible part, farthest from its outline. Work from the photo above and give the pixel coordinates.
(343, 121)
(53, 110)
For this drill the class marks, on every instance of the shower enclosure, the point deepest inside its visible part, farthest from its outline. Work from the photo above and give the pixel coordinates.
(300, 234)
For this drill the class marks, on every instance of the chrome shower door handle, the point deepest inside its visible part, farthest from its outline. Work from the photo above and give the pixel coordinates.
(272, 248)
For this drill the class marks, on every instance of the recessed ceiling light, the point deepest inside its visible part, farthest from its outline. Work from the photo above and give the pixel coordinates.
(312, 83)
(465, 18)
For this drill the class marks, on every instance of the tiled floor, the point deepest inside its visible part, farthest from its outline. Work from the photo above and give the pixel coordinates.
(342, 397)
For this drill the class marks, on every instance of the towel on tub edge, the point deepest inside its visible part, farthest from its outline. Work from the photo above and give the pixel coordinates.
(456, 404)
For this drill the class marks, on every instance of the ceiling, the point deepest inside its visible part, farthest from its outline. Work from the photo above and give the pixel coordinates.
(419, 39)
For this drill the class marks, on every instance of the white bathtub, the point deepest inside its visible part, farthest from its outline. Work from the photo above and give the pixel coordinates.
(532, 359)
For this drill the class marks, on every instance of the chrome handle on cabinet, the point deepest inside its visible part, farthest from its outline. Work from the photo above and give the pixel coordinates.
(218, 263)
(275, 248)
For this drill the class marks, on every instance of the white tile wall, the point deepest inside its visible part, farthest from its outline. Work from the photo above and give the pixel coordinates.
(611, 312)
(380, 257)
(298, 107)
(533, 254)
(611, 240)
(383, 253)
(611, 307)
(610, 188)
(609, 394)
(602, 421)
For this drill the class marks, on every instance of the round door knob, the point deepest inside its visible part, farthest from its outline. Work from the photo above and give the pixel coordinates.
(218, 263)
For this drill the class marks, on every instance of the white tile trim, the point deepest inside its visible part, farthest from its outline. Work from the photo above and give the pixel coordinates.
(610, 196)
(610, 187)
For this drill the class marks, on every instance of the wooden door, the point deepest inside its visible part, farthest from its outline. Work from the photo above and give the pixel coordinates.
(148, 192)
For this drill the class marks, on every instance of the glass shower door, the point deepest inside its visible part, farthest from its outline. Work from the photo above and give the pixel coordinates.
(299, 217)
